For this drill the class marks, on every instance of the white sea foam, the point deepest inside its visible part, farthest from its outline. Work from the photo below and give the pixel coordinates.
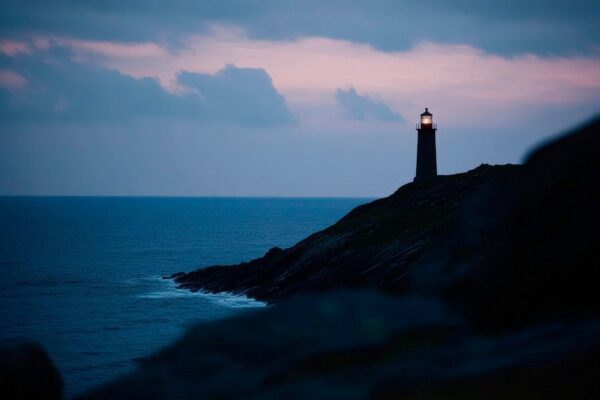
(170, 290)
(166, 294)
(233, 300)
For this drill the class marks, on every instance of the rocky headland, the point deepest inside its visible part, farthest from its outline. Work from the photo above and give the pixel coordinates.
(375, 245)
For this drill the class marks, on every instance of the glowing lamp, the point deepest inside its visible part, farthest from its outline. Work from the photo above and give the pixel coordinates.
(426, 118)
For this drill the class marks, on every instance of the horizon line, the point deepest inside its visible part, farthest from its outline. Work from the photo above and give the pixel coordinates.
(185, 196)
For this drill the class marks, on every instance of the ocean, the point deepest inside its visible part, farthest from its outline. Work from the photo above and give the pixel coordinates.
(82, 276)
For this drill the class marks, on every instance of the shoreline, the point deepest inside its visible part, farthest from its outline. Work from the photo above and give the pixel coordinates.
(375, 245)
(226, 299)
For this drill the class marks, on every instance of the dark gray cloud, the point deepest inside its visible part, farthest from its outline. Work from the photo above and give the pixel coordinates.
(245, 95)
(60, 89)
(508, 27)
(360, 107)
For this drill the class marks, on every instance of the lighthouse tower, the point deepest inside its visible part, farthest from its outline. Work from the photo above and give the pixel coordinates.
(426, 157)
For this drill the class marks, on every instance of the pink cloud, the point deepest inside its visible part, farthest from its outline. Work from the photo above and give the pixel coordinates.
(13, 48)
(314, 65)
(113, 49)
(468, 84)
(12, 80)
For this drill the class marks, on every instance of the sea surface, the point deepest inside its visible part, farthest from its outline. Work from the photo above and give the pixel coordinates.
(82, 275)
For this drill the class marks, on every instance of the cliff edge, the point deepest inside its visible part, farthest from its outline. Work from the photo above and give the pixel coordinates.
(375, 245)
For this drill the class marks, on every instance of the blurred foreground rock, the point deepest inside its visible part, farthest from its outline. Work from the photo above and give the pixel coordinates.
(529, 250)
(356, 345)
(26, 372)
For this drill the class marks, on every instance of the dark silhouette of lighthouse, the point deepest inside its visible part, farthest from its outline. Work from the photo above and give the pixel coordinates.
(426, 157)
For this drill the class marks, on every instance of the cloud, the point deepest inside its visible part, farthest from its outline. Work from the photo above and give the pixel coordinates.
(12, 47)
(359, 107)
(245, 95)
(462, 84)
(455, 80)
(52, 86)
(507, 27)
(12, 80)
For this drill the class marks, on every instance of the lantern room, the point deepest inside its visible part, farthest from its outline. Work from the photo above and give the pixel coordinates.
(426, 120)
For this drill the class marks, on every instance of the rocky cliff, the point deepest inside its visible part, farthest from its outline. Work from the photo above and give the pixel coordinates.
(375, 245)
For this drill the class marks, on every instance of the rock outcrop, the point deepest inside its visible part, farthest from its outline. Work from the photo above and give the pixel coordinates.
(375, 245)
(26, 372)
(529, 250)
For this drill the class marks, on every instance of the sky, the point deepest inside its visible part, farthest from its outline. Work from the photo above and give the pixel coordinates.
(281, 97)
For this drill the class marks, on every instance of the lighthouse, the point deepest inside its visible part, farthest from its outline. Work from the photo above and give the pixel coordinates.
(426, 157)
